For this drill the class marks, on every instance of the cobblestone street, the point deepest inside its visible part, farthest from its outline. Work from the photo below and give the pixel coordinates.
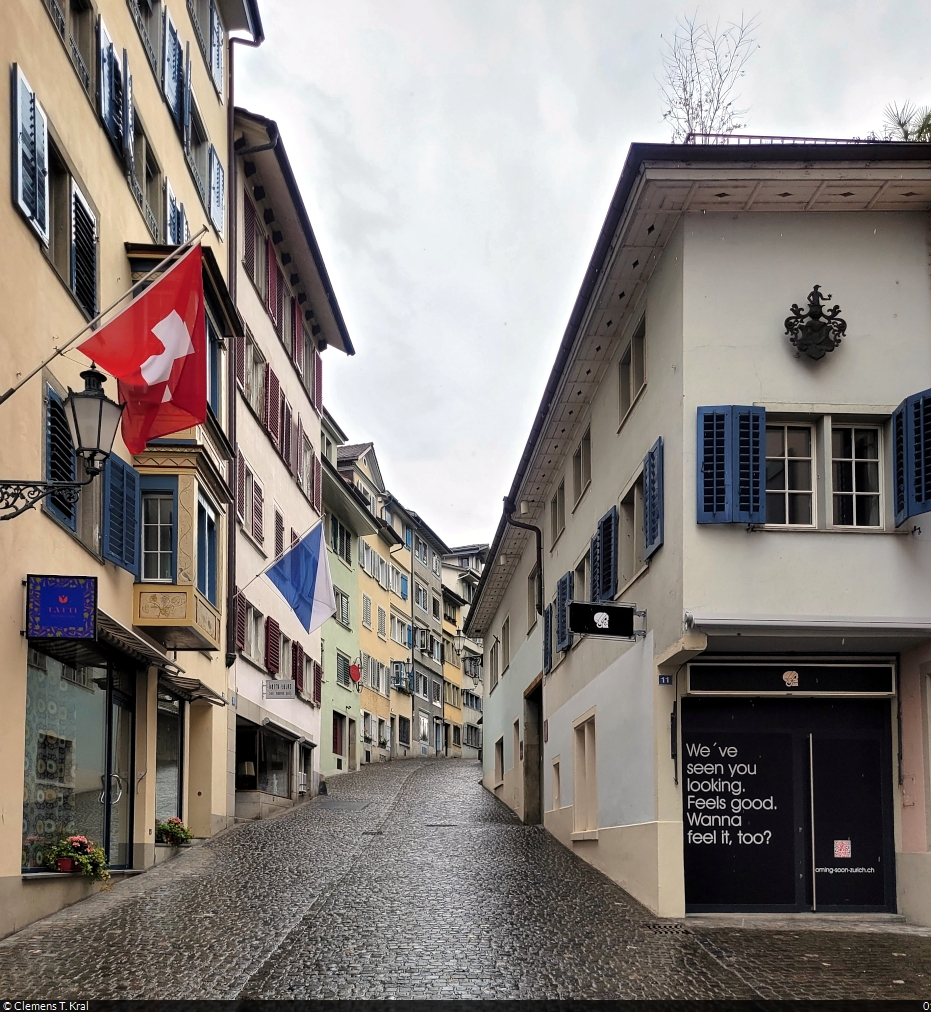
(410, 881)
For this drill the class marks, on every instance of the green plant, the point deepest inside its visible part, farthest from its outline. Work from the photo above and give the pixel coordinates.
(908, 123)
(172, 831)
(91, 860)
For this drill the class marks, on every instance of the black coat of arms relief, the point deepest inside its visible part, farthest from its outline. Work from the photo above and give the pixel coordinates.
(817, 330)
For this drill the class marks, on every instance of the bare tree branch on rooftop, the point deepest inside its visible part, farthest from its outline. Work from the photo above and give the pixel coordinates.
(702, 65)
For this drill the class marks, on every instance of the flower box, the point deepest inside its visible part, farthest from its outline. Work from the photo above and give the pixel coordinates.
(64, 864)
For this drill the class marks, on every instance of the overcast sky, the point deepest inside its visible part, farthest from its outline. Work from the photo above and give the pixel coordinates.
(457, 158)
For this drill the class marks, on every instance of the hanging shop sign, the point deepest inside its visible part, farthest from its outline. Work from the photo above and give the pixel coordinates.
(612, 620)
(61, 607)
(355, 672)
(278, 688)
(791, 678)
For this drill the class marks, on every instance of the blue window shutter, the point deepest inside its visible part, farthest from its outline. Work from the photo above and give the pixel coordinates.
(918, 452)
(217, 185)
(594, 564)
(607, 535)
(749, 463)
(900, 466)
(185, 72)
(653, 499)
(30, 156)
(564, 590)
(404, 588)
(216, 47)
(714, 464)
(60, 460)
(105, 75)
(548, 638)
(121, 504)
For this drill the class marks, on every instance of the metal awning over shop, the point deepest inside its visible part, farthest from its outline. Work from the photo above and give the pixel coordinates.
(114, 642)
(190, 688)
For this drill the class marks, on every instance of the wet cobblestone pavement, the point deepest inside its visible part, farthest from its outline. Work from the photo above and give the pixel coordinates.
(410, 881)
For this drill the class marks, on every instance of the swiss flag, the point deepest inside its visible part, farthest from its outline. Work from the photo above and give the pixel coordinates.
(156, 349)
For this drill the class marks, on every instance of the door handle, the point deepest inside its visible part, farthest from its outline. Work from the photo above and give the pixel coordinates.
(103, 788)
(119, 783)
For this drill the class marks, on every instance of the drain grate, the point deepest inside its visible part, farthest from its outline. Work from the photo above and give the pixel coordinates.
(668, 929)
(441, 825)
(372, 832)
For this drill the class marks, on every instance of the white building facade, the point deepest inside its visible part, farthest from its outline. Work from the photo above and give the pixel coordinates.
(291, 316)
(762, 743)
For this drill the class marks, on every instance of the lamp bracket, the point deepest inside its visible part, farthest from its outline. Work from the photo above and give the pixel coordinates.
(18, 496)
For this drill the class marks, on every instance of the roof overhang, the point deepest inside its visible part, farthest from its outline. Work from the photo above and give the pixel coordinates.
(242, 16)
(283, 196)
(346, 502)
(659, 184)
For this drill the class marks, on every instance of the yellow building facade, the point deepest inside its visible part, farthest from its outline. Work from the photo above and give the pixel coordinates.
(452, 675)
(117, 114)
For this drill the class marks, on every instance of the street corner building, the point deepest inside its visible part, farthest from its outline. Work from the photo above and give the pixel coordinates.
(733, 443)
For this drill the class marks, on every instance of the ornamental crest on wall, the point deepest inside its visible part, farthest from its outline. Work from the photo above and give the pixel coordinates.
(817, 330)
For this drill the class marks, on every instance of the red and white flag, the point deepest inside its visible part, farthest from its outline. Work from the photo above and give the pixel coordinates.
(156, 349)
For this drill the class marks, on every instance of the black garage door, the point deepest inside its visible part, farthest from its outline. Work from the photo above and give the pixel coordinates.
(787, 804)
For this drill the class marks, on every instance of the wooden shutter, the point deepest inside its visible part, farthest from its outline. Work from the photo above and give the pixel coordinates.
(299, 453)
(279, 534)
(548, 638)
(121, 507)
(60, 460)
(318, 486)
(297, 337)
(216, 47)
(271, 279)
(248, 237)
(280, 295)
(258, 517)
(241, 605)
(172, 68)
(83, 252)
(318, 382)
(564, 588)
(653, 498)
(714, 464)
(295, 537)
(297, 665)
(749, 450)
(30, 162)
(186, 85)
(287, 434)
(217, 184)
(240, 487)
(900, 464)
(594, 568)
(318, 683)
(607, 535)
(266, 402)
(273, 406)
(128, 125)
(272, 646)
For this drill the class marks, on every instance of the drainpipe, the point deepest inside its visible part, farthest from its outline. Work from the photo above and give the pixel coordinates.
(231, 271)
(508, 516)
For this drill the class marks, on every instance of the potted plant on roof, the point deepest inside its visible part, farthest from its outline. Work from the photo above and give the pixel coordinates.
(78, 854)
(172, 831)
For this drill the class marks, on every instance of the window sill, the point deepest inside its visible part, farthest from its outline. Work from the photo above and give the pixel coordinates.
(582, 495)
(623, 590)
(788, 529)
(588, 834)
(556, 539)
(633, 404)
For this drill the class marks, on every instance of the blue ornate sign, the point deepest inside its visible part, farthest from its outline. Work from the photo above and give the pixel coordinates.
(61, 607)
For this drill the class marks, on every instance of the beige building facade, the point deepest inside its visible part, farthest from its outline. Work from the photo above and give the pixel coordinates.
(119, 141)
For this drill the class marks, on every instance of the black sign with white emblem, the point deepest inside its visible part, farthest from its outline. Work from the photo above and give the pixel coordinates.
(615, 620)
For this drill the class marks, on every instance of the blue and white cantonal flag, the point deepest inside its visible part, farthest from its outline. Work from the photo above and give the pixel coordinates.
(302, 574)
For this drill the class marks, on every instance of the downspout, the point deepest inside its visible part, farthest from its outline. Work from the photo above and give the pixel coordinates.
(232, 263)
(508, 516)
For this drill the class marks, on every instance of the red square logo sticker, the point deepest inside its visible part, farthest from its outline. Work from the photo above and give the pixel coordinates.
(842, 848)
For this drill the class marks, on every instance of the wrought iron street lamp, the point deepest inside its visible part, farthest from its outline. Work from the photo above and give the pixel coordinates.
(92, 420)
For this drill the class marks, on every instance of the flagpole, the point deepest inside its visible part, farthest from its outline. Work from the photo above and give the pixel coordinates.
(278, 558)
(176, 252)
